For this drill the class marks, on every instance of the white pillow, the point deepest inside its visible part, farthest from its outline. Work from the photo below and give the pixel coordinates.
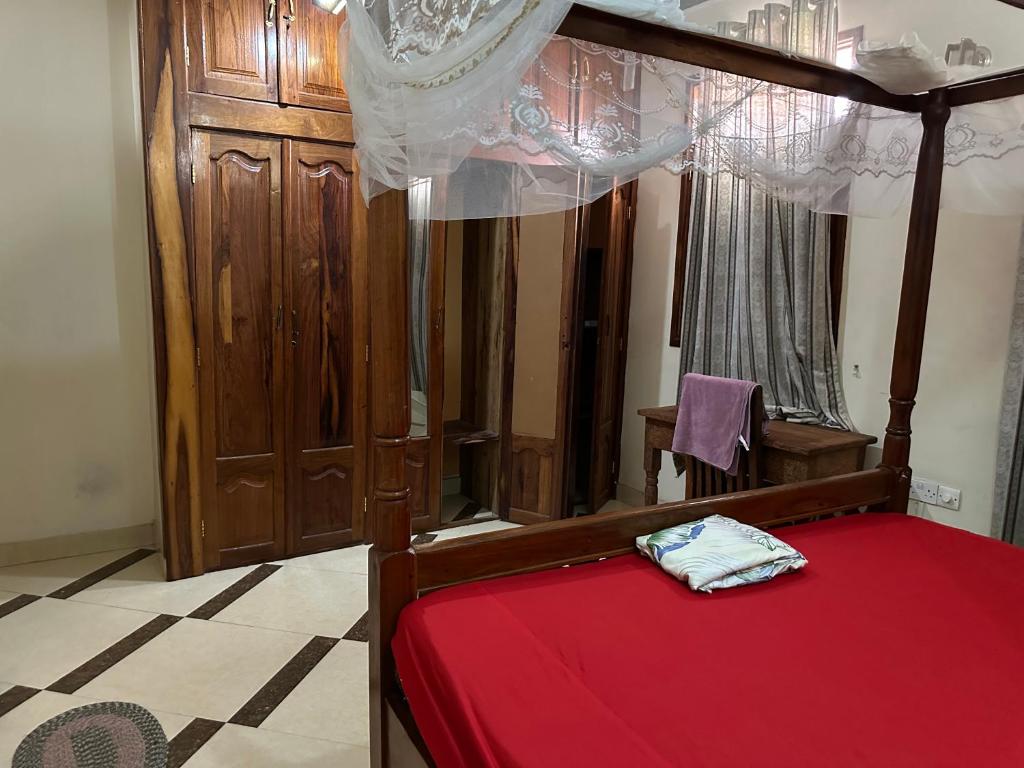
(719, 552)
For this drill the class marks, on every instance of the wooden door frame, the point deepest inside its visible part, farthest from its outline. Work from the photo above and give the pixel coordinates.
(574, 245)
(508, 366)
(574, 248)
(623, 355)
(482, 232)
(437, 265)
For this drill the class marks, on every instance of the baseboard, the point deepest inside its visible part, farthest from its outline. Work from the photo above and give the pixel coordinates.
(629, 496)
(71, 545)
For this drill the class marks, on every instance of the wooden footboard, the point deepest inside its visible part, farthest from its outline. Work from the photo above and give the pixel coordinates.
(398, 577)
(576, 540)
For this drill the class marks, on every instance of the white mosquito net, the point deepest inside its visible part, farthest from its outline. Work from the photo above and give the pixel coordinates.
(508, 118)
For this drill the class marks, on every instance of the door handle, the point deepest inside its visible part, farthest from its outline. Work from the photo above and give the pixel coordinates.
(290, 16)
(295, 328)
(271, 12)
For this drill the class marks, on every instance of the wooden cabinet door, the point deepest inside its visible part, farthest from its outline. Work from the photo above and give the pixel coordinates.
(237, 218)
(325, 323)
(232, 48)
(613, 319)
(310, 66)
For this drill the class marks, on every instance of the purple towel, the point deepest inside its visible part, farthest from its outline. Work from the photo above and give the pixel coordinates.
(713, 418)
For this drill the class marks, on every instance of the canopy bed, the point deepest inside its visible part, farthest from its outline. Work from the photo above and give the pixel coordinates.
(565, 669)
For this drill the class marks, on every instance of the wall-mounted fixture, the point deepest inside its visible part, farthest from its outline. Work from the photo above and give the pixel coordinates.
(968, 52)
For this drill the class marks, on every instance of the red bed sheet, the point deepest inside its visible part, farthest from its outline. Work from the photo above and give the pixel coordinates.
(900, 644)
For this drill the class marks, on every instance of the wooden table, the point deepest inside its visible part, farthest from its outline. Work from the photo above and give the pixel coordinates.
(792, 452)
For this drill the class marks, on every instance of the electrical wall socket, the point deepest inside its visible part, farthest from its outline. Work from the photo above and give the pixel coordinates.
(925, 490)
(949, 497)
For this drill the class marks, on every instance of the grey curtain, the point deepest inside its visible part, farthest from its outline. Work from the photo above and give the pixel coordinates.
(758, 302)
(1008, 500)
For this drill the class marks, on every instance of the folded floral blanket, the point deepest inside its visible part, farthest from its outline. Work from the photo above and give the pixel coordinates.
(719, 552)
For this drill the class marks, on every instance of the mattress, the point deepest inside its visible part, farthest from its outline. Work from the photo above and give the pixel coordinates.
(900, 644)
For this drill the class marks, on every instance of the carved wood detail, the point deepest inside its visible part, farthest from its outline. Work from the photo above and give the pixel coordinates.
(172, 293)
(310, 64)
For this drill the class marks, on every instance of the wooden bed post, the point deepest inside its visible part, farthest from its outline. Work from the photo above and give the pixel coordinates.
(392, 579)
(917, 273)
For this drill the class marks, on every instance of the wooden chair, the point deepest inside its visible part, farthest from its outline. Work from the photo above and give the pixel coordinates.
(703, 480)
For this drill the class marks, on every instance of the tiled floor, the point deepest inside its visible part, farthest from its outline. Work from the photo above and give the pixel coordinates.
(258, 667)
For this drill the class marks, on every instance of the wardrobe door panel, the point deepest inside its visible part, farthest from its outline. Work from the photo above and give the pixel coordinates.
(324, 358)
(310, 66)
(232, 48)
(237, 217)
(324, 491)
(417, 462)
(247, 523)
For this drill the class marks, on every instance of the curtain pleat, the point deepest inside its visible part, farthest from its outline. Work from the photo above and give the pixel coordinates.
(1008, 499)
(758, 303)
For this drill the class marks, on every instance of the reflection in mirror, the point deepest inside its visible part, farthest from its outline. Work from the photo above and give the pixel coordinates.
(419, 302)
(573, 275)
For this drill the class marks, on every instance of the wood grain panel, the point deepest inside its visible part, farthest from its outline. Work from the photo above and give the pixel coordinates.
(232, 48)
(532, 475)
(322, 356)
(245, 499)
(319, 264)
(320, 499)
(168, 170)
(391, 563)
(310, 65)
(217, 112)
(237, 215)
(1001, 85)
(243, 266)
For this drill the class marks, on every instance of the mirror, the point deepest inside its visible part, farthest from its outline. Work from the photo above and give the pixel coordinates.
(419, 303)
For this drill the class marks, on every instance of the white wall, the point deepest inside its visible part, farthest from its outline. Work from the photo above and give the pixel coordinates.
(77, 412)
(956, 419)
(966, 341)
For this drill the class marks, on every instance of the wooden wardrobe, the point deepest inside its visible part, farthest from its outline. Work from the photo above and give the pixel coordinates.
(258, 241)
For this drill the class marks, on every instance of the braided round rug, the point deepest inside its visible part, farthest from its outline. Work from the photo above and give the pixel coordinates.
(109, 734)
